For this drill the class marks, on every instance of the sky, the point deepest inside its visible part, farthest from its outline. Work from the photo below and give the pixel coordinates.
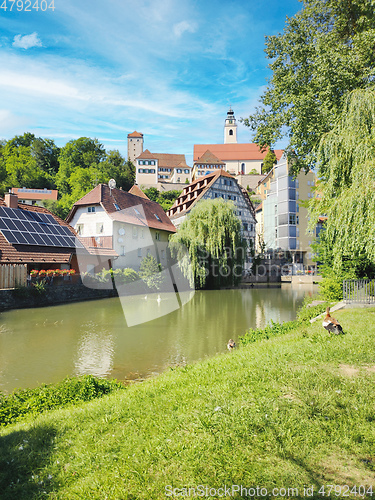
(169, 69)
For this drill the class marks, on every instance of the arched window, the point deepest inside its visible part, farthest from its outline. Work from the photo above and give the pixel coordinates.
(230, 132)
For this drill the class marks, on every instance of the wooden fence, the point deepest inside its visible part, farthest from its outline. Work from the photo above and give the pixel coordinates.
(12, 275)
(359, 291)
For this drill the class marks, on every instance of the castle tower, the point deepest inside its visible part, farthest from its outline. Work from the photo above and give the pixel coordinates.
(230, 128)
(135, 145)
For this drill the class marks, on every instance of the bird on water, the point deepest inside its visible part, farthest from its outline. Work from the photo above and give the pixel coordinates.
(331, 324)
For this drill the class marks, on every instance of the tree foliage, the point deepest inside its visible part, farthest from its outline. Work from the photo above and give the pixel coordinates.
(165, 199)
(269, 161)
(150, 272)
(325, 52)
(346, 159)
(37, 163)
(216, 249)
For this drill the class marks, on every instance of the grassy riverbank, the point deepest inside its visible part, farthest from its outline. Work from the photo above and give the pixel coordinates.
(288, 412)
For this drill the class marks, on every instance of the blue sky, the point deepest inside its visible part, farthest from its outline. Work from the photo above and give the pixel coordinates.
(167, 68)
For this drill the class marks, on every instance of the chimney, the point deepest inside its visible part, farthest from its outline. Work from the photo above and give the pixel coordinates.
(11, 200)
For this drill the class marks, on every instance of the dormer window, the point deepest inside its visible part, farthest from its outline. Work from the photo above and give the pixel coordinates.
(91, 209)
(137, 211)
(157, 217)
(116, 206)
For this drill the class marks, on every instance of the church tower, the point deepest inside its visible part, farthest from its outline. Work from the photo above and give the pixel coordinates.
(135, 145)
(230, 128)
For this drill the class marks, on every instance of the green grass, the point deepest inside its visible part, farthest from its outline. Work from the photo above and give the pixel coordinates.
(291, 411)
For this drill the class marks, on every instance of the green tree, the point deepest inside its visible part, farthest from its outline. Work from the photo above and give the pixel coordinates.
(84, 153)
(346, 159)
(114, 166)
(269, 161)
(152, 193)
(325, 52)
(150, 272)
(212, 235)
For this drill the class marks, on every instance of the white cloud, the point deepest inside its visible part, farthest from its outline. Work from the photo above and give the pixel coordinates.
(27, 41)
(180, 28)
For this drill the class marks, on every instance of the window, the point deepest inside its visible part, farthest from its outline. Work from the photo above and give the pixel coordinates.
(186, 171)
(137, 211)
(179, 170)
(79, 229)
(230, 132)
(116, 206)
(157, 236)
(135, 232)
(292, 218)
(139, 252)
(162, 254)
(178, 179)
(157, 217)
(91, 209)
(245, 226)
(122, 250)
(99, 228)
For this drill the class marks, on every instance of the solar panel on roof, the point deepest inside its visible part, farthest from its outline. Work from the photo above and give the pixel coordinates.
(34, 228)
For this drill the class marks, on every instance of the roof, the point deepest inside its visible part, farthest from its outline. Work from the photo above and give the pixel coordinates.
(31, 253)
(233, 152)
(135, 134)
(146, 155)
(137, 192)
(155, 217)
(208, 157)
(35, 194)
(165, 160)
(194, 192)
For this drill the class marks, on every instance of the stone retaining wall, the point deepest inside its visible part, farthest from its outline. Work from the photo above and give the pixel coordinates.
(27, 297)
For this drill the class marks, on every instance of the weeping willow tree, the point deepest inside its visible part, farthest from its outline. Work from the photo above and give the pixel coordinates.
(209, 245)
(347, 185)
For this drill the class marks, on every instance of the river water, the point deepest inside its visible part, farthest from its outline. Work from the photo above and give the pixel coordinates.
(44, 345)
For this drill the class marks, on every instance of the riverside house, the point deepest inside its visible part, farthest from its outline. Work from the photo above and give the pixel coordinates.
(127, 226)
(33, 237)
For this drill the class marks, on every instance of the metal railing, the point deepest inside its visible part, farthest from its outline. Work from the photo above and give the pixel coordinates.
(359, 291)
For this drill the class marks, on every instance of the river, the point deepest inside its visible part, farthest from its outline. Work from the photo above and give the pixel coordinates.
(44, 345)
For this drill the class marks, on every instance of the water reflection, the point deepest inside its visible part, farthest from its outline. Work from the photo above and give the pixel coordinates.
(47, 344)
(95, 351)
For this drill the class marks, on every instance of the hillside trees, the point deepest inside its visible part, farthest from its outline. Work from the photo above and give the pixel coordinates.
(325, 52)
(76, 168)
(216, 248)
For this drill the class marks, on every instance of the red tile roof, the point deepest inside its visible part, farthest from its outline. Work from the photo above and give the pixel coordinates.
(155, 216)
(135, 134)
(165, 160)
(208, 157)
(194, 192)
(137, 192)
(146, 155)
(228, 152)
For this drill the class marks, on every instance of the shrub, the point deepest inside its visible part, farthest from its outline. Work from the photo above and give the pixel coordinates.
(25, 402)
(272, 330)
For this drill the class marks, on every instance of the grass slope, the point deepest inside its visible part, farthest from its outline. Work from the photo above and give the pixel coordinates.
(290, 412)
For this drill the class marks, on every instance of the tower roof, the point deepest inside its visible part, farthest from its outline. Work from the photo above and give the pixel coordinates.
(135, 134)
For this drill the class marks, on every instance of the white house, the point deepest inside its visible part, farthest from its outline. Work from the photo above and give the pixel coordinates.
(116, 221)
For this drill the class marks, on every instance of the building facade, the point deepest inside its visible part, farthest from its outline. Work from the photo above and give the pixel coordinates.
(206, 164)
(128, 225)
(219, 184)
(152, 168)
(282, 218)
(135, 145)
(240, 159)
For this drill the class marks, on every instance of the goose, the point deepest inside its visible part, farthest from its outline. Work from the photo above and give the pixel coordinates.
(231, 344)
(331, 324)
